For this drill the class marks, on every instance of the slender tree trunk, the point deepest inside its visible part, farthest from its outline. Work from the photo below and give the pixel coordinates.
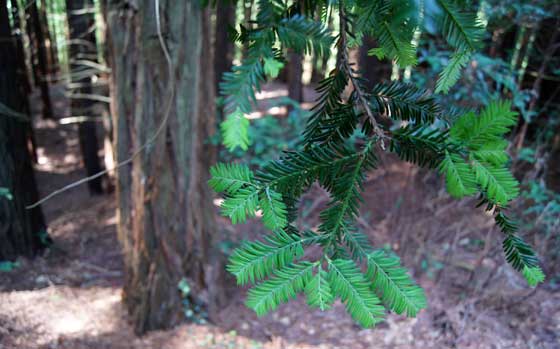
(224, 47)
(51, 56)
(83, 46)
(22, 76)
(41, 67)
(247, 14)
(22, 231)
(164, 207)
(294, 73)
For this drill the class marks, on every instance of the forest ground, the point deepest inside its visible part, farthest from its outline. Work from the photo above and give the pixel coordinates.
(70, 297)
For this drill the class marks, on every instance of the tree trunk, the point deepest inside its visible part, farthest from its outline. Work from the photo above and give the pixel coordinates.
(22, 231)
(51, 56)
(82, 47)
(224, 47)
(294, 72)
(22, 77)
(373, 70)
(164, 206)
(41, 65)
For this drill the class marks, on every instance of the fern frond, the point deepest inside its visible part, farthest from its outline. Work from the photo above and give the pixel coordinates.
(318, 291)
(402, 101)
(349, 284)
(345, 193)
(493, 123)
(396, 44)
(305, 35)
(297, 170)
(393, 285)
(230, 178)
(241, 205)
(462, 29)
(273, 209)
(255, 260)
(518, 253)
(358, 244)
(452, 71)
(458, 175)
(283, 286)
(419, 144)
(498, 182)
(493, 153)
(329, 102)
(235, 131)
(533, 275)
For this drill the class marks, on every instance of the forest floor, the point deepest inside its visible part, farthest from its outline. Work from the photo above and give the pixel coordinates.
(70, 297)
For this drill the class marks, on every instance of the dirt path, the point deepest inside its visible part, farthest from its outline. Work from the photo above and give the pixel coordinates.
(70, 297)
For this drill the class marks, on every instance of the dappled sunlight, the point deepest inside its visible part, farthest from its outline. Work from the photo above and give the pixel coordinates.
(267, 94)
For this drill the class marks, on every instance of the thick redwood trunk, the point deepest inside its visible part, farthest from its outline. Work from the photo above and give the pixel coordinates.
(40, 65)
(164, 207)
(22, 231)
(82, 47)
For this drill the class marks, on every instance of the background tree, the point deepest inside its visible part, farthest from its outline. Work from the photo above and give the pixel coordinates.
(22, 231)
(82, 53)
(163, 107)
(39, 56)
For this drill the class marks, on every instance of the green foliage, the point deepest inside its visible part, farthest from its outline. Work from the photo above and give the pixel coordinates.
(452, 72)
(235, 131)
(318, 291)
(230, 178)
(342, 137)
(464, 32)
(348, 282)
(5, 192)
(393, 285)
(256, 260)
(283, 286)
(404, 102)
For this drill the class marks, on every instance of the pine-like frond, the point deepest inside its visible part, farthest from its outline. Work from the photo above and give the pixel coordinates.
(498, 182)
(230, 177)
(255, 260)
(235, 131)
(401, 101)
(518, 253)
(493, 153)
(273, 208)
(396, 44)
(348, 282)
(393, 285)
(462, 29)
(305, 35)
(493, 123)
(283, 286)
(318, 291)
(452, 71)
(533, 275)
(419, 144)
(328, 105)
(459, 177)
(358, 244)
(297, 170)
(345, 193)
(241, 205)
